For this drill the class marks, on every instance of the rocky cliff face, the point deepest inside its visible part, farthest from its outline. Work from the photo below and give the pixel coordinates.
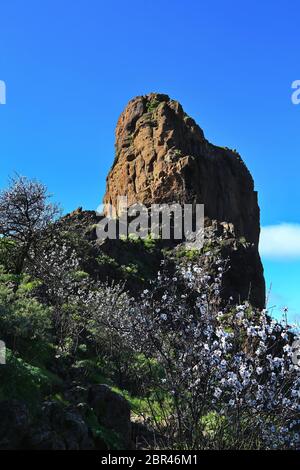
(163, 156)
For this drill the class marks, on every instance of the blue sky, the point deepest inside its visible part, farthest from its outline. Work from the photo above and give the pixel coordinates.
(71, 66)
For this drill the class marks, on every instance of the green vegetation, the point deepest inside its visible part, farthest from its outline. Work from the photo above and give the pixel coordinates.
(111, 438)
(178, 152)
(188, 253)
(24, 381)
(152, 105)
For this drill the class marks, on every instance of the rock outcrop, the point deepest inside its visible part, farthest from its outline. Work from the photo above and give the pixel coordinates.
(94, 417)
(162, 156)
(50, 427)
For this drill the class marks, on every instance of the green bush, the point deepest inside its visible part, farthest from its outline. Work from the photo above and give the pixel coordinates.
(152, 105)
(23, 381)
(21, 315)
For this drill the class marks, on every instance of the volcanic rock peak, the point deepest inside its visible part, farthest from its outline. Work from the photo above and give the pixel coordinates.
(163, 156)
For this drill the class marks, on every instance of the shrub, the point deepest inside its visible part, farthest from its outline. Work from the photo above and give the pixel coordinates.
(23, 381)
(21, 315)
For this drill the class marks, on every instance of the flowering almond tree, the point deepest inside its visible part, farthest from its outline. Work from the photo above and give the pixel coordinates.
(219, 376)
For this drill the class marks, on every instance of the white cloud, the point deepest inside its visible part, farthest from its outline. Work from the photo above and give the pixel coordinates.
(281, 242)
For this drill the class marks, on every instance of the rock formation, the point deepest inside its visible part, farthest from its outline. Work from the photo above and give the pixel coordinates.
(162, 156)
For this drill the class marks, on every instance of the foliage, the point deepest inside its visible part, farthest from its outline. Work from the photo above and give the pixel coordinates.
(8, 254)
(21, 315)
(111, 439)
(23, 381)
